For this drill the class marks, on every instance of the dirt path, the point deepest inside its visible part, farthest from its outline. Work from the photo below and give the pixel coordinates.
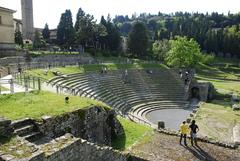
(164, 147)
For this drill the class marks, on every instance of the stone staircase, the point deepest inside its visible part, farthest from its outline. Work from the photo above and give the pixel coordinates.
(27, 129)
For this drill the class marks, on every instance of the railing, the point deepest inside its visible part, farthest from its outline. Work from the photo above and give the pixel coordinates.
(7, 82)
(27, 81)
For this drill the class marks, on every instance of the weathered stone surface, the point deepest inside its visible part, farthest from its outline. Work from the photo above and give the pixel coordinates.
(94, 124)
(69, 148)
(236, 107)
(161, 124)
(188, 120)
(205, 90)
(236, 134)
(7, 157)
(235, 98)
(4, 122)
(5, 127)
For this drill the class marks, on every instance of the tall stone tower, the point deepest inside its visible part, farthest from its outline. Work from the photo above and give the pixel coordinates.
(27, 19)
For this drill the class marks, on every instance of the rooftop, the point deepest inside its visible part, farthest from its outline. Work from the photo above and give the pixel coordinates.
(7, 10)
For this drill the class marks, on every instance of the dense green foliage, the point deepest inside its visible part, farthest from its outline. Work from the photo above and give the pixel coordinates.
(183, 53)
(38, 41)
(214, 32)
(85, 28)
(87, 33)
(65, 30)
(160, 49)
(138, 40)
(111, 41)
(36, 104)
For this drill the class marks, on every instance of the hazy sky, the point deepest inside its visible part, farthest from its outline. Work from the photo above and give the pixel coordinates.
(50, 10)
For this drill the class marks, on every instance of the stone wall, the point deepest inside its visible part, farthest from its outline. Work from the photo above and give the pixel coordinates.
(6, 26)
(5, 127)
(8, 53)
(81, 150)
(66, 58)
(94, 124)
(205, 90)
(70, 148)
(15, 59)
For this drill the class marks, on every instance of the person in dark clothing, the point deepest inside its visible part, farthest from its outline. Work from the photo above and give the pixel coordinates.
(193, 133)
(66, 100)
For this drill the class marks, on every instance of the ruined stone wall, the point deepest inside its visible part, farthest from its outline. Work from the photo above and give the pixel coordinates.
(67, 58)
(81, 150)
(205, 90)
(70, 148)
(94, 124)
(8, 55)
(14, 59)
(5, 127)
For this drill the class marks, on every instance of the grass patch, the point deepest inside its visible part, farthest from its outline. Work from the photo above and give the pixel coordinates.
(222, 77)
(216, 120)
(3, 88)
(89, 68)
(133, 133)
(15, 147)
(36, 104)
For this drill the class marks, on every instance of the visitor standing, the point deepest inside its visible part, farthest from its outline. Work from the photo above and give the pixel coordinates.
(193, 133)
(183, 132)
(105, 70)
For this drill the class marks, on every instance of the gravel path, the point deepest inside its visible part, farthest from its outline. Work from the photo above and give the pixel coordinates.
(165, 147)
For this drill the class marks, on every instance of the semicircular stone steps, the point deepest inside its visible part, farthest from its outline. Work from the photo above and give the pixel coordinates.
(142, 92)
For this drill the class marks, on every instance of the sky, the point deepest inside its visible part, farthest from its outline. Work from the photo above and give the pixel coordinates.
(49, 11)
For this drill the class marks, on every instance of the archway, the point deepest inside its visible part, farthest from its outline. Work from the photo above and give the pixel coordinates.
(195, 93)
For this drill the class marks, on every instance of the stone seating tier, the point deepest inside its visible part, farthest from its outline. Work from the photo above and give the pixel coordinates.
(112, 88)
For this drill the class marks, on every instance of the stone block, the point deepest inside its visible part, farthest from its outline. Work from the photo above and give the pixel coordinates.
(4, 122)
(161, 124)
(188, 120)
(236, 134)
(236, 107)
(195, 111)
(7, 157)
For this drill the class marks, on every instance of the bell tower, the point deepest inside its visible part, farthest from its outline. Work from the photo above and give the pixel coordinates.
(27, 19)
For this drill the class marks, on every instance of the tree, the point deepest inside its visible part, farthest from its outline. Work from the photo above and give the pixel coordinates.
(85, 28)
(46, 32)
(65, 30)
(126, 28)
(184, 53)
(138, 40)
(18, 38)
(160, 49)
(111, 41)
(38, 41)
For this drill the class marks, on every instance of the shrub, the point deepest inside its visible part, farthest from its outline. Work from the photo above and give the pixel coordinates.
(207, 59)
